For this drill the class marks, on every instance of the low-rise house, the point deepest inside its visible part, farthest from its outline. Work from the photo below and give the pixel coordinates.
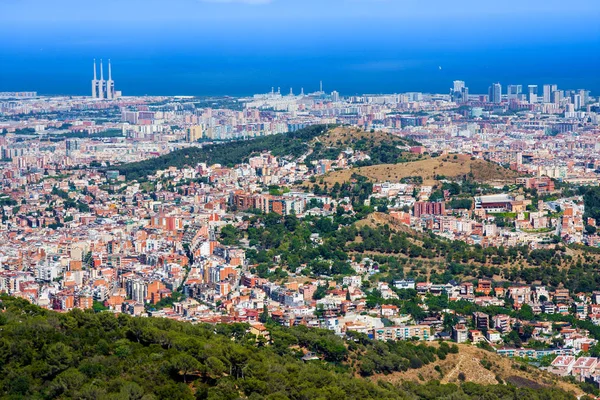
(493, 336)
(584, 367)
(562, 365)
(476, 336)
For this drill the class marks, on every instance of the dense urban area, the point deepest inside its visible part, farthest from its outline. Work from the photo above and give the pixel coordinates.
(296, 246)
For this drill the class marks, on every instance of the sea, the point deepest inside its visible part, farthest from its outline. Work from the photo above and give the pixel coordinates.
(234, 72)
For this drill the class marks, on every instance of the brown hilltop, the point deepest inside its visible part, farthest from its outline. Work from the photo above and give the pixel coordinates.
(463, 166)
(482, 367)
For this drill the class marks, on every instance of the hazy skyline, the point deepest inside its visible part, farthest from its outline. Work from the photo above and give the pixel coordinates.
(237, 46)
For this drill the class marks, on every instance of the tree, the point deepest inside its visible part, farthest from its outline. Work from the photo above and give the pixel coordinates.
(229, 235)
(185, 364)
(526, 313)
(214, 367)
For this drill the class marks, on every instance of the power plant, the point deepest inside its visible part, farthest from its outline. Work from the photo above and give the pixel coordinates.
(103, 89)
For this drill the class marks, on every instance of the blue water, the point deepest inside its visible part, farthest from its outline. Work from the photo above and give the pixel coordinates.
(193, 69)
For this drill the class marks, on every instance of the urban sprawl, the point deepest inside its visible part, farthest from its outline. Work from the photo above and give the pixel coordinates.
(408, 216)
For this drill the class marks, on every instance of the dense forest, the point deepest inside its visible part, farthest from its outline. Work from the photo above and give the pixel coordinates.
(87, 355)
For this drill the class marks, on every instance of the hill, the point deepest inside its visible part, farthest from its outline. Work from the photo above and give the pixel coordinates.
(381, 147)
(473, 364)
(431, 171)
(315, 142)
(292, 144)
(83, 355)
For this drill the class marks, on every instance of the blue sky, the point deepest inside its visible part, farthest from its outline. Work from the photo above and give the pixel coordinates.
(234, 41)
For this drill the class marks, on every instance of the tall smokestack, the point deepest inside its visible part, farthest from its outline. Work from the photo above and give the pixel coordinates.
(94, 83)
(101, 82)
(110, 85)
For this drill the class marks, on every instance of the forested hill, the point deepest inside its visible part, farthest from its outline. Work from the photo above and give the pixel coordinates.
(381, 147)
(83, 355)
(289, 144)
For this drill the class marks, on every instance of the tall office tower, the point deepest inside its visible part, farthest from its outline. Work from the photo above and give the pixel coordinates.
(94, 83)
(458, 85)
(576, 100)
(495, 93)
(556, 96)
(110, 84)
(459, 92)
(465, 94)
(532, 94)
(584, 96)
(335, 96)
(548, 89)
(101, 82)
(546, 93)
(514, 91)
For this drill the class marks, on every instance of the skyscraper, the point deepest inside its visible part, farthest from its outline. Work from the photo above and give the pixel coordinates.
(532, 94)
(556, 96)
(576, 99)
(514, 92)
(585, 94)
(495, 93)
(547, 92)
(458, 86)
(459, 92)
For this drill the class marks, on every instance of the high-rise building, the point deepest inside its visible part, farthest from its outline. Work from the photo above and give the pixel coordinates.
(194, 133)
(459, 92)
(576, 100)
(495, 93)
(514, 91)
(547, 92)
(585, 94)
(556, 96)
(102, 89)
(532, 94)
(335, 96)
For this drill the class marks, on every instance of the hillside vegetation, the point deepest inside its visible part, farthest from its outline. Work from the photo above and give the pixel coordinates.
(82, 355)
(484, 368)
(431, 170)
(381, 147)
(317, 142)
(292, 144)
